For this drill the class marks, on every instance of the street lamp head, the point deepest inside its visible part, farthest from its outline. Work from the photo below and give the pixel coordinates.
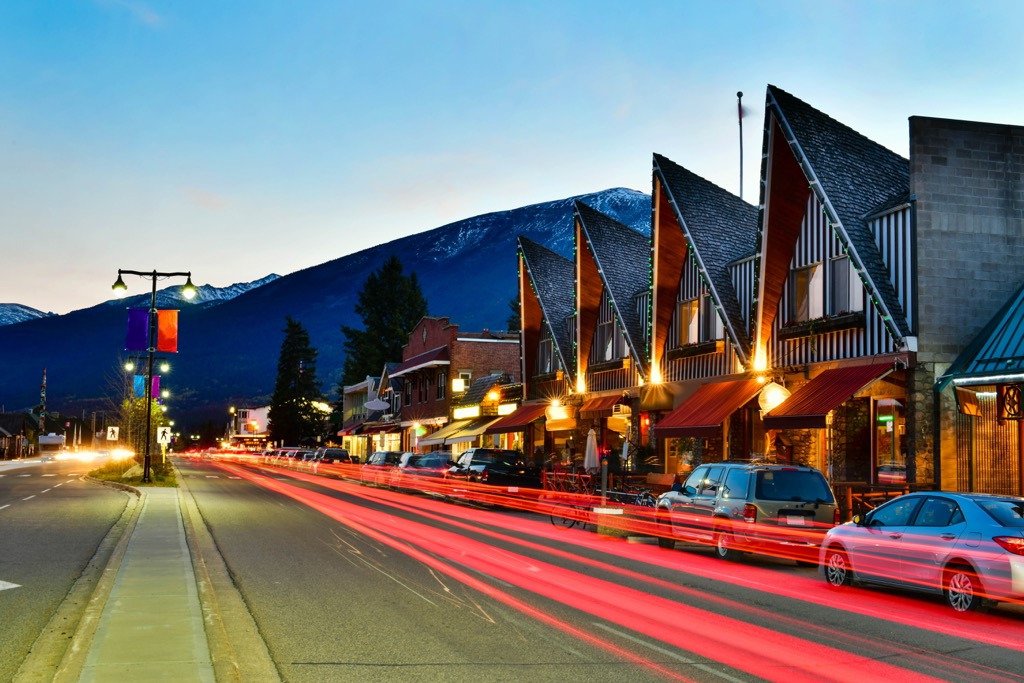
(119, 287)
(188, 290)
(129, 366)
(165, 367)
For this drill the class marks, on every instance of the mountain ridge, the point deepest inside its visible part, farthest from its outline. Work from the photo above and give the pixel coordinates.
(228, 350)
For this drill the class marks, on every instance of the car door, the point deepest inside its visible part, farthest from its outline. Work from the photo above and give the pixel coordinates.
(930, 538)
(875, 551)
(682, 513)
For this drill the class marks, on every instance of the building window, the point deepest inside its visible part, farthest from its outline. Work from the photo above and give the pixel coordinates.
(847, 292)
(689, 322)
(609, 340)
(442, 383)
(711, 322)
(806, 294)
(408, 392)
(545, 356)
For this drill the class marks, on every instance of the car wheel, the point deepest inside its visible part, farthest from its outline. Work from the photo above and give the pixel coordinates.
(963, 590)
(665, 539)
(837, 568)
(724, 543)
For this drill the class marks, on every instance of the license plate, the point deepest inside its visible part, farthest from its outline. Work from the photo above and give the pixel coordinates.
(796, 520)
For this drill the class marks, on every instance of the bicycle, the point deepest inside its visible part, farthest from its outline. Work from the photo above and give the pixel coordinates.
(568, 515)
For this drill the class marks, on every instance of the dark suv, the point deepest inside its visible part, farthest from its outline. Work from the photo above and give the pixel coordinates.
(782, 510)
(494, 466)
(332, 455)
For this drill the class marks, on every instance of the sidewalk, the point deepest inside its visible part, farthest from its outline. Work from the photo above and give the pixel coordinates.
(151, 627)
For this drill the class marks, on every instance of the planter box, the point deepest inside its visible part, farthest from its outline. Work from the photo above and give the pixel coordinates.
(698, 349)
(823, 325)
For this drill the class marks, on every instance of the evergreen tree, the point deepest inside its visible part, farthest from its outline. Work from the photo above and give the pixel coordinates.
(515, 321)
(390, 304)
(293, 415)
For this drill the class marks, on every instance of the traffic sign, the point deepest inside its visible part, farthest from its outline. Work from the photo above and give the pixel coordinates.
(112, 433)
(163, 435)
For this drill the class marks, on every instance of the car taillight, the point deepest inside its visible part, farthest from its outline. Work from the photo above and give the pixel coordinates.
(483, 476)
(1011, 544)
(835, 517)
(750, 513)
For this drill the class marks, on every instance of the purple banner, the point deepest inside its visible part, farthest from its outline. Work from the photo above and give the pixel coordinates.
(140, 386)
(137, 338)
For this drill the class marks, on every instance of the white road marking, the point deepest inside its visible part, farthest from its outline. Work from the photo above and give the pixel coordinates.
(234, 477)
(669, 653)
(4, 585)
(24, 475)
(29, 498)
(5, 506)
(46, 490)
(49, 475)
(56, 485)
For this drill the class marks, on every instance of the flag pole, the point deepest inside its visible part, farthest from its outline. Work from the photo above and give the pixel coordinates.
(739, 111)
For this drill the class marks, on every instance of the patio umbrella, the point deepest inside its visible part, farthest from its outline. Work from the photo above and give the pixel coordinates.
(590, 461)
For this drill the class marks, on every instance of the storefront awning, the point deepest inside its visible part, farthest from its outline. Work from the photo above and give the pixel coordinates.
(518, 421)
(351, 429)
(703, 413)
(808, 406)
(600, 406)
(471, 431)
(438, 437)
(379, 429)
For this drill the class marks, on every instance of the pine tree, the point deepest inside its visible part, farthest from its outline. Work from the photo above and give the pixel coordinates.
(390, 304)
(293, 415)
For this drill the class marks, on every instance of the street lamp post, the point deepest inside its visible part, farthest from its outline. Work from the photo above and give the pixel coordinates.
(188, 290)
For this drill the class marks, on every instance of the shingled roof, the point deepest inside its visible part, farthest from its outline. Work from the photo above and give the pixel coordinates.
(855, 177)
(721, 228)
(553, 277)
(623, 257)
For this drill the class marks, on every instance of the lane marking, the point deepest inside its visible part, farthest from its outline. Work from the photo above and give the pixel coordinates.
(212, 476)
(46, 490)
(50, 475)
(56, 485)
(669, 653)
(29, 498)
(4, 585)
(24, 475)
(5, 506)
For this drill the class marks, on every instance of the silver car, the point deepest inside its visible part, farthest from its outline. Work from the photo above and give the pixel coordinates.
(969, 547)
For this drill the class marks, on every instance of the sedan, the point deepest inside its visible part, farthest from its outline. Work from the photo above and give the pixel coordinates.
(968, 547)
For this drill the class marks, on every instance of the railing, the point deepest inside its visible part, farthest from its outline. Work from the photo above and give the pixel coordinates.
(858, 498)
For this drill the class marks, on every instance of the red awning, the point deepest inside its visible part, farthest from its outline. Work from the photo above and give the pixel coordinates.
(351, 429)
(518, 421)
(379, 429)
(600, 406)
(703, 413)
(808, 406)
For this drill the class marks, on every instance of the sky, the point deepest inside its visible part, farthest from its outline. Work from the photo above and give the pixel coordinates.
(239, 138)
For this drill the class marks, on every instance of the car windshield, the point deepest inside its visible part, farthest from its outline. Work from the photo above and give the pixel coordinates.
(792, 485)
(1007, 512)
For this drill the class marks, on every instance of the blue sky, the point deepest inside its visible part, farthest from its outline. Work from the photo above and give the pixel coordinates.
(239, 138)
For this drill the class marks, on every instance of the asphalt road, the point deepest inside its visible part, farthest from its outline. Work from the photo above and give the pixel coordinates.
(51, 524)
(349, 582)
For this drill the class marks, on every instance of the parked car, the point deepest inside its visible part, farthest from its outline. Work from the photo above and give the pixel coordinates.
(415, 470)
(968, 547)
(495, 466)
(330, 455)
(378, 466)
(782, 510)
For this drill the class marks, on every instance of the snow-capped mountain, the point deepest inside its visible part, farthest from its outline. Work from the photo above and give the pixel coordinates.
(16, 313)
(230, 338)
(206, 295)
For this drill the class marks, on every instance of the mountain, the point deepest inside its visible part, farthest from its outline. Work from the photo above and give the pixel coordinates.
(16, 313)
(228, 352)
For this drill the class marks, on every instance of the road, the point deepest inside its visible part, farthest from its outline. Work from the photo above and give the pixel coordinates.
(349, 582)
(51, 524)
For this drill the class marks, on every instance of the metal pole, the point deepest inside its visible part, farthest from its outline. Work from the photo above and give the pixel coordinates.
(739, 111)
(149, 381)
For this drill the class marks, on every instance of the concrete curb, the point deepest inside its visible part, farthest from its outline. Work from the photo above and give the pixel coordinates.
(238, 650)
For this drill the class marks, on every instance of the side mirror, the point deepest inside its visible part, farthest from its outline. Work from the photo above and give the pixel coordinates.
(677, 487)
(689, 491)
(858, 520)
